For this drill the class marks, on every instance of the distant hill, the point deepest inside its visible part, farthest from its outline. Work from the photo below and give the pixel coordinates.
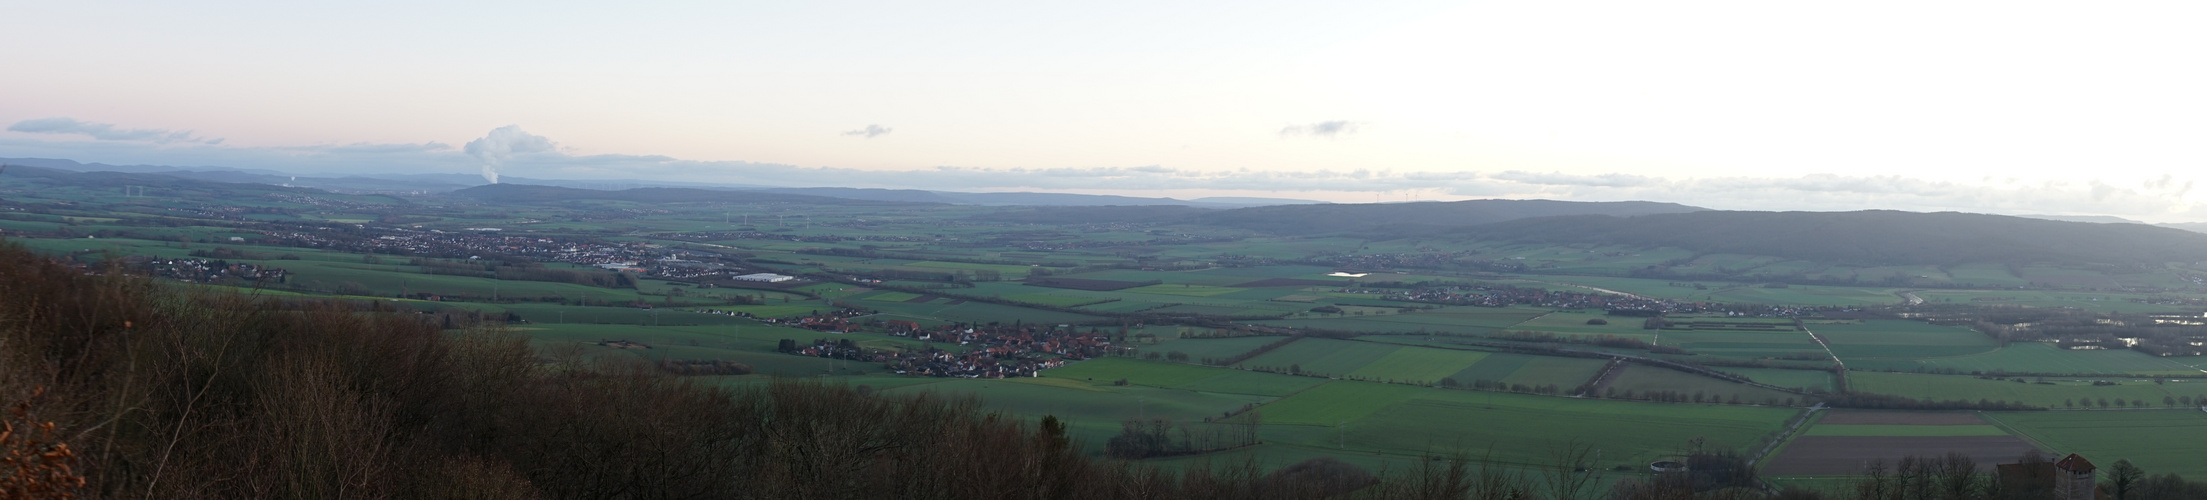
(904, 195)
(1029, 199)
(523, 193)
(1407, 218)
(1875, 237)
(74, 166)
(1375, 220)
(2096, 219)
(437, 183)
(109, 179)
(2196, 227)
(1252, 202)
(1164, 214)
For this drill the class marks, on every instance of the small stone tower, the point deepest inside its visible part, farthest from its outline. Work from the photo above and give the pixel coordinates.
(2075, 478)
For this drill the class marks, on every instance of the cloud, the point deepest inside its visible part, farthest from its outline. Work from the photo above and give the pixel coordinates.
(1326, 129)
(105, 131)
(366, 148)
(871, 131)
(2168, 184)
(502, 144)
(1562, 179)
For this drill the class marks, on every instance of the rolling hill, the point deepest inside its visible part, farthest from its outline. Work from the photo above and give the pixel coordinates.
(1873, 237)
(523, 193)
(1415, 217)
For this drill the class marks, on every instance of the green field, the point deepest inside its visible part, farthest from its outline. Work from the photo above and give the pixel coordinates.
(2057, 393)
(1421, 365)
(1212, 348)
(1509, 427)
(1574, 323)
(890, 296)
(1802, 379)
(2090, 301)
(1904, 430)
(1104, 371)
(1897, 339)
(1472, 320)
(1328, 357)
(1642, 378)
(1530, 370)
(1185, 289)
(2036, 357)
(1752, 345)
(2158, 441)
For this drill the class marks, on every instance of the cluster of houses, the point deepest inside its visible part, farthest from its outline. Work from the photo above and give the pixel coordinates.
(803, 238)
(973, 351)
(211, 271)
(994, 352)
(834, 321)
(644, 258)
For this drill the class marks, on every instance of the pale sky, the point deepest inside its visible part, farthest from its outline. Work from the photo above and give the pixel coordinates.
(2002, 107)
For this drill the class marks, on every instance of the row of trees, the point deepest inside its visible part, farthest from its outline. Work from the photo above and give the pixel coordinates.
(1161, 437)
(1956, 476)
(523, 270)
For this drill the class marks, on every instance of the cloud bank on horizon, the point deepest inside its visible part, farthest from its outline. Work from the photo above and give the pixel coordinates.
(2165, 198)
(105, 131)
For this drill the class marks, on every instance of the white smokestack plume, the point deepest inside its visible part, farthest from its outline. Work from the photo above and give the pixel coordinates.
(502, 143)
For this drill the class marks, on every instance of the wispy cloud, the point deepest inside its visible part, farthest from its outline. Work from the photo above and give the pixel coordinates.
(1326, 129)
(871, 131)
(105, 131)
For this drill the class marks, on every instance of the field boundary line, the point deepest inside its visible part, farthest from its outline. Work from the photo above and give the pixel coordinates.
(1807, 418)
(2012, 431)
(1528, 320)
(1601, 379)
(1289, 395)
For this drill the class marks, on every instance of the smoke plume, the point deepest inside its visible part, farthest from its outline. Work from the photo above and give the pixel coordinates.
(502, 144)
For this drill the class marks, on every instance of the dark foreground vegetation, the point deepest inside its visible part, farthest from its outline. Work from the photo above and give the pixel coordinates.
(1956, 476)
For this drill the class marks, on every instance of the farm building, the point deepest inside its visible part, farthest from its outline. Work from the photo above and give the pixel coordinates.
(2071, 478)
(2074, 478)
(765, 277)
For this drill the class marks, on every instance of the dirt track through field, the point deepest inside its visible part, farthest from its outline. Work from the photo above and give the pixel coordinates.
(1847, 455)
(1857, 417)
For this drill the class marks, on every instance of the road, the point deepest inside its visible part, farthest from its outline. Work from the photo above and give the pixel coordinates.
(1827, 348)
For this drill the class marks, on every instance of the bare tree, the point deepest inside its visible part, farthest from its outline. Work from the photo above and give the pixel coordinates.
(1571, 470)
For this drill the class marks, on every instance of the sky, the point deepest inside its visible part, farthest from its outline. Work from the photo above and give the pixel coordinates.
(2012, 107)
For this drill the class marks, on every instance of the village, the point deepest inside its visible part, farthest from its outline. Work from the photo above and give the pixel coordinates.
(210, 271)
(975, 351)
